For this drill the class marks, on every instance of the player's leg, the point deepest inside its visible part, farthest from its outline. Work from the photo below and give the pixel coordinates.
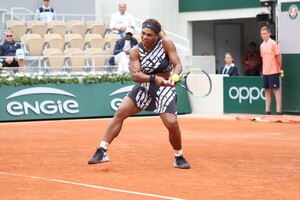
(268, 94)
(20, 58)
(268, 91)
(275, 86)
(126, 109)
(278, 98)
(171, 123)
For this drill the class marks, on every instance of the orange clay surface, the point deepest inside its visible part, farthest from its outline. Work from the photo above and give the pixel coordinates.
(230, 159)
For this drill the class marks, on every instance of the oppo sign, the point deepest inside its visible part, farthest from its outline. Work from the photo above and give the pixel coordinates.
(249, 94)
(47, 107)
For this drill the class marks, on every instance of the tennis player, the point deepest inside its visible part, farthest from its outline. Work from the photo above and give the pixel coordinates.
(152, 62)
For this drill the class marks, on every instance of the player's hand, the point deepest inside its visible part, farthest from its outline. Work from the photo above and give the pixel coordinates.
(160, 81)
(9, 60)
(169, 83)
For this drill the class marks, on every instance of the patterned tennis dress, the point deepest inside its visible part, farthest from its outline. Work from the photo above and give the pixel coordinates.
(149, 96)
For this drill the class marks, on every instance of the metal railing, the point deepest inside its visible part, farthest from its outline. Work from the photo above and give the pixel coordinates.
(35, 64)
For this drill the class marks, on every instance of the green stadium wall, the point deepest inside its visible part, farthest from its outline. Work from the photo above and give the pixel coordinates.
(69, 101)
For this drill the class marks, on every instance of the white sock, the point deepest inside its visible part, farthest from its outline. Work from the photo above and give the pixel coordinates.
(104, 145)
(178, 152)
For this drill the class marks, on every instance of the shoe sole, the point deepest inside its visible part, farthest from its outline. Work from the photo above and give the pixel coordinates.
(185, 167)
(104, 159)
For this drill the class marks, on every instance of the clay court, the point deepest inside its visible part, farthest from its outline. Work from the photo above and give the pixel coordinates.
(231, 158)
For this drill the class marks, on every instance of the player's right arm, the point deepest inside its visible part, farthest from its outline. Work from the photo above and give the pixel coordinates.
(135, 67)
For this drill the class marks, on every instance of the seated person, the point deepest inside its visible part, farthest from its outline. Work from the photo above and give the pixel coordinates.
(229, 67)
(252, 61)
(122, 50)
(12, 51)
(121, 20)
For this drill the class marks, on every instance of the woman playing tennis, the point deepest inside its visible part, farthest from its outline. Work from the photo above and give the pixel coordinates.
(152, 62)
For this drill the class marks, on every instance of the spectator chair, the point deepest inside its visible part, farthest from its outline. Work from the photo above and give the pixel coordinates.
(57, 26)
(36, 26)
(54, 40)
(53, 59)
(74, 40)
(18, 28)
(76, 26)
(96, 59)
(33, 44)
(94, 40)
(94, 26)
(75, 60)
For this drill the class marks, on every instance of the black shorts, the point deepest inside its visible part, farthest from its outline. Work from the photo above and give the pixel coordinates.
(271, 81)
(13, 64)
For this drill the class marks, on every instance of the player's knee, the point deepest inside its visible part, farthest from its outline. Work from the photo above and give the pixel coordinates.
(172, 124)
(121, 113)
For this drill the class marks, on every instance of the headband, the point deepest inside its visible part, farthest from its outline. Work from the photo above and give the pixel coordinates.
(151, 26)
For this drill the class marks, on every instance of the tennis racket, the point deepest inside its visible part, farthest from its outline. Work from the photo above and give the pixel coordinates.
(197, 82)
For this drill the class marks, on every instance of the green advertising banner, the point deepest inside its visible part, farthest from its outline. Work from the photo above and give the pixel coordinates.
(245, 95)
(290, 83)
(204, 5)
(65, 101)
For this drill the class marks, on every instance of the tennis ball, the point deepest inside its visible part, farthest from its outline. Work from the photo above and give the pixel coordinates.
(281, 73)
(175, 78)
(257, 119)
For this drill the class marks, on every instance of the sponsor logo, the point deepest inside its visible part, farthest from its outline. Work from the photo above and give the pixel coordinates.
(47, 106)
(248, 94)
(116, 102)
(293, 11)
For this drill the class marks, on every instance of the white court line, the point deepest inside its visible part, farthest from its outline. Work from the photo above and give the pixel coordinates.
(90, 186)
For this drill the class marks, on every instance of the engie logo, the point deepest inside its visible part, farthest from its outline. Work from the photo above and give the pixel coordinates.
(41, 106)
(115, 103)
(246, 94)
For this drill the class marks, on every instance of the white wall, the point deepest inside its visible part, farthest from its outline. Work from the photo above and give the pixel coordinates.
(214, 102)
(207, 63)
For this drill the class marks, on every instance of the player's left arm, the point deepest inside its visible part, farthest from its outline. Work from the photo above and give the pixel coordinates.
(278, 55)
(170, 49)
(279, 60)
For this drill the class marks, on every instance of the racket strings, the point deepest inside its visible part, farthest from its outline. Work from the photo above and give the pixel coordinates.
(198, 83)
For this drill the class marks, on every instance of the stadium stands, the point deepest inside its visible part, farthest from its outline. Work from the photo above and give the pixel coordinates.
(71, 46)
